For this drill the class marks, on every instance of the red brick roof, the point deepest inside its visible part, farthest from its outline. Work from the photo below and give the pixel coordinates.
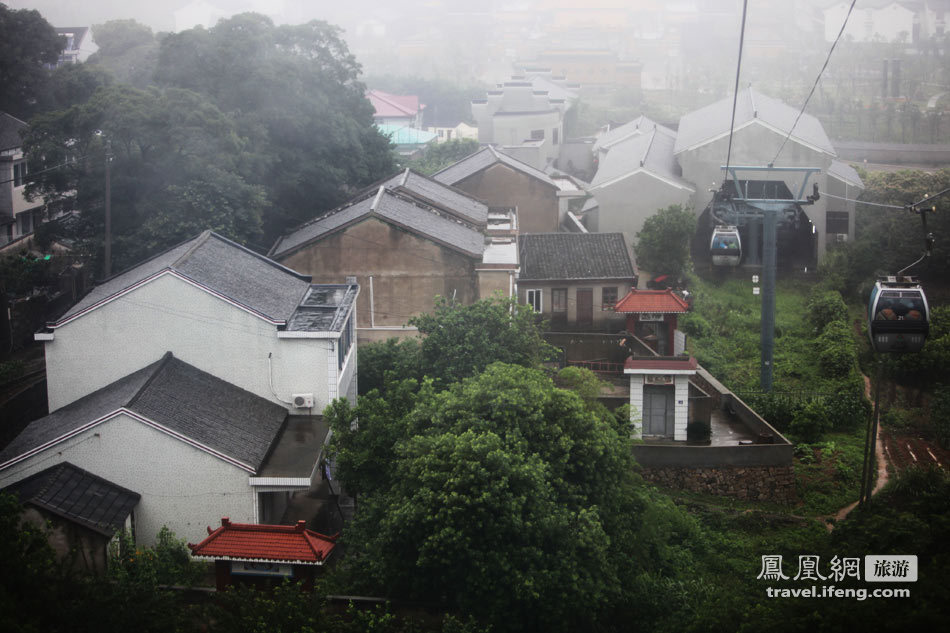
(283, 543)
(388, 105)
(651, 301)
(661, 364)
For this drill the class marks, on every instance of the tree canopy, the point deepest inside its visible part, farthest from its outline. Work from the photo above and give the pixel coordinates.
(246, 128)
(27, 44)
(663, 242)
(502, 496)
(460, 341)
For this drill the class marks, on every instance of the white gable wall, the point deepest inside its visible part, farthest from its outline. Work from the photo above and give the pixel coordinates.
(181, 486)
(755, 144)
(169, 314)
(626, 204)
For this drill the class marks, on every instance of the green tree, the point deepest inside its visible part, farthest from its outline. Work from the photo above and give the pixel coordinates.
(460, 341)
(663, 242)
(27, 44)
(294, 94)
(127, 49)
(176, 168)
(442, 155)
(511, 500)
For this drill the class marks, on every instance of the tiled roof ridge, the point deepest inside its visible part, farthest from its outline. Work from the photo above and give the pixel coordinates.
(312, 538)
(160, 366)
(410, 197)
(453, 188)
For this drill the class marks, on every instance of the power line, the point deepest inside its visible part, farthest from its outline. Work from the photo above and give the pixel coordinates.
(43, 171)
(872, 204)
(735, 94)
(817, 79)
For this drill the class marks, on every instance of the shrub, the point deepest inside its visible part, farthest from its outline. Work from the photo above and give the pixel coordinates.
(694, 324)
(847, 410)
(811, 422)
(837, 352)
(825, 308)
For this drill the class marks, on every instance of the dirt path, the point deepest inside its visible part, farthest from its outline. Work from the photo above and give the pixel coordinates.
(879, 458)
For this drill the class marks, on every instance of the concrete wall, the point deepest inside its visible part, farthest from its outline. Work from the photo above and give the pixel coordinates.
(407, 271)
(169, 314)
(181, 487)
(680, 406)
(514, 129)
(626, 204)
(602, 319)
(493, 281)
(636, 406)
(502, 186)
(755, 145)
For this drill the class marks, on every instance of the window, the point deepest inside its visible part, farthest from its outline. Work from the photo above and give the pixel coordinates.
(559, 300)
(554, 136)
(836, 222)
(533, 299)
(19, 174)
(537, 135)
(608, 298)
(344, 343)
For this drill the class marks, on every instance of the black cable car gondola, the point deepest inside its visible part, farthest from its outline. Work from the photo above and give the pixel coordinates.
(898, 315)
(725, 246)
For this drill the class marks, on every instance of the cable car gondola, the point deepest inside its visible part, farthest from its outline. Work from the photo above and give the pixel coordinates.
(725, 247)
(898, 315)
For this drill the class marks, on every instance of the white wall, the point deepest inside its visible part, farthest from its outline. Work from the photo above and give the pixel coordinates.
(169, 314)
(636, 405)
(181, 487)
(680, 406)
(626, 204)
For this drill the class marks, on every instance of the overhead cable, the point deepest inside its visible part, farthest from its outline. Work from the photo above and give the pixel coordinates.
(817, 79)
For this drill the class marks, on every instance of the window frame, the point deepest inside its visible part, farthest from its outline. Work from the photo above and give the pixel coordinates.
(534, 297)
(604, 306)
(554, 302)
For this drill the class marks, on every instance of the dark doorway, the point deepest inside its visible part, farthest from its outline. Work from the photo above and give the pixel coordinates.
(585, 306)
(657, 411)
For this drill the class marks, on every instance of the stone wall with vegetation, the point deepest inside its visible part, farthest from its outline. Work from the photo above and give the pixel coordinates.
(751, 483)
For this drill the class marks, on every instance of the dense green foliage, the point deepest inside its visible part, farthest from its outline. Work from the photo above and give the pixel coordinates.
(663, 242)
(505, 497)
(27, 43)
(246, 128)
(441, 155)
(460, 341)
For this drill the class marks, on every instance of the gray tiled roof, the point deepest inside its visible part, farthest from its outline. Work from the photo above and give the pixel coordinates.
(712, 121)
(228, 268)
(652, 151)
(10, 128)
(845, 173)
(483, 158)
(78, 495)
(439, 194)
(391, 207)
(180, 397)
(556, 256)
(640, 125)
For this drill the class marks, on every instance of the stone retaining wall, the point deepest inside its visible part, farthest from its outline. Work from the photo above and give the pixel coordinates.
(752, 483)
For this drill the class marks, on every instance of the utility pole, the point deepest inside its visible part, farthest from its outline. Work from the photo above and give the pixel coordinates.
(768, 297)
(107, 265)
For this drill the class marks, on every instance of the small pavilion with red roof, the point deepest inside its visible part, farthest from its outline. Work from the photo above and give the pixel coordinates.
(659, 385)
(651, 316)
(260, 554)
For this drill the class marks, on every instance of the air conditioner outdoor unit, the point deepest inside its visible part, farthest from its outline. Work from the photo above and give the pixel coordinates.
(303, 400)
(841, 237)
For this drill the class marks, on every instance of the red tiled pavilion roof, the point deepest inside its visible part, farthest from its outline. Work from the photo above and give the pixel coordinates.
(665, 301)
(279, 543)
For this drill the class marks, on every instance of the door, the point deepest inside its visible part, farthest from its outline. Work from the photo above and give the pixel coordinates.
(585, 306)
(658, 411)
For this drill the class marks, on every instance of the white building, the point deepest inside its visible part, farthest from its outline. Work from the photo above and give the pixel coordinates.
(871, 21)
(195, 380)
(218, 306)
(18, 216)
